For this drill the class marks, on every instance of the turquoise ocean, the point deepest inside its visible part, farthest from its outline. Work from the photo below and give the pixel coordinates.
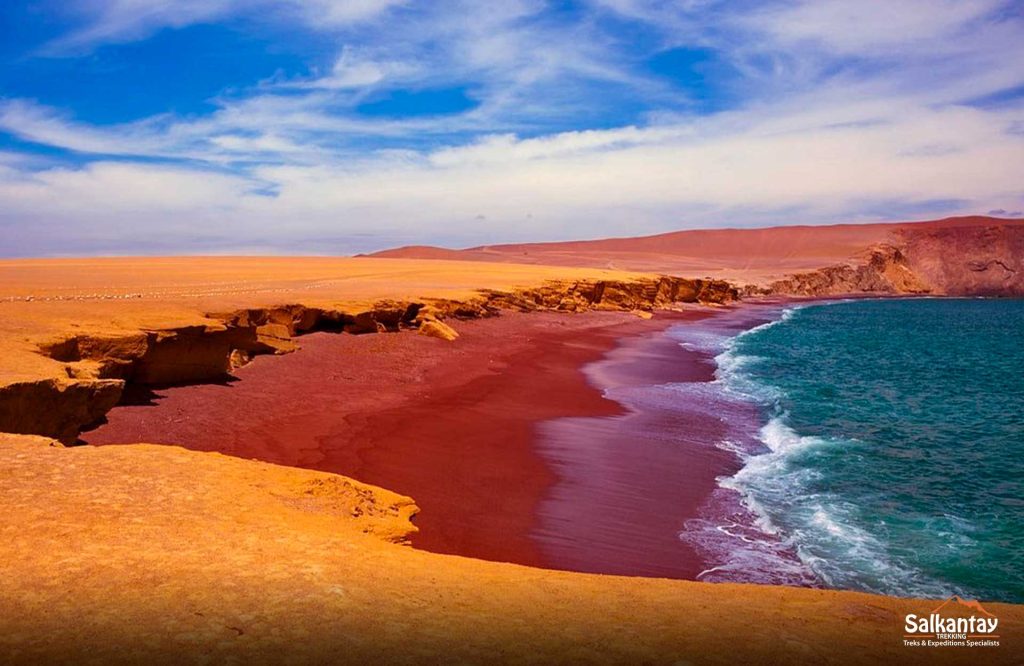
(883, 449)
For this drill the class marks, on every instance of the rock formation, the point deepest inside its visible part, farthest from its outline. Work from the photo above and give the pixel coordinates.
(975, 256)
(98, 368)
(967, 260)
(438, 329)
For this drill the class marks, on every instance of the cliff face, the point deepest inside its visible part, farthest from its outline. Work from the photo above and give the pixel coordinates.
(98, 368)
(87, 373)
(967, 260)
(885, 270)
(974, 261)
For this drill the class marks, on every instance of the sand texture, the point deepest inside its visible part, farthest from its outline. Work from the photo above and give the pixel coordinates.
(161, 555)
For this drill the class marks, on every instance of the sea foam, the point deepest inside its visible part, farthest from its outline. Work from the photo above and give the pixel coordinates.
(771, 522)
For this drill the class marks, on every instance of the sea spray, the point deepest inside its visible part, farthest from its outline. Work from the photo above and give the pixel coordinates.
(888, 456)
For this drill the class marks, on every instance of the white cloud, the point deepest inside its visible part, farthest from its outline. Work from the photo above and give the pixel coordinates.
(720, 171)
(340, 12)
(45, 125)
(850, 109)
(353, 71)
(871, 26)
(127, 20)
(104, 188)
(256, 145)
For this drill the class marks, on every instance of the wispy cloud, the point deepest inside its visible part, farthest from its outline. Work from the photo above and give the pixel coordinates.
(119, 21)
(878, 27)
(353, 71)
(841, 110)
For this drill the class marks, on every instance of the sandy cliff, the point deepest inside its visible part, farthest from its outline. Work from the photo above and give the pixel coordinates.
(970, 257)
(70, 351)
(155, 554)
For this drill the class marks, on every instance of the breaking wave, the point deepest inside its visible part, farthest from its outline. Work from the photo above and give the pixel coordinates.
(775, 521)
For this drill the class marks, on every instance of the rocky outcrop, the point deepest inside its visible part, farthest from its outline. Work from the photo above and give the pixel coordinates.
(98, 368)
(637, 295)
(56, 408)
(438, 329)
(969, 260)
(885, 270)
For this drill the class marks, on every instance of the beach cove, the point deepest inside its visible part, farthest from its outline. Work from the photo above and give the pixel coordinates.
(198, 553)
(459, 427)
(602, 443)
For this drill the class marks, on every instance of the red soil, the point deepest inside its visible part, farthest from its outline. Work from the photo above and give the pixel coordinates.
(452, 425)
(744, 254)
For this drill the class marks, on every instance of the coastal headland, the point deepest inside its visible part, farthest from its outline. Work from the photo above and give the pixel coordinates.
(202, 554)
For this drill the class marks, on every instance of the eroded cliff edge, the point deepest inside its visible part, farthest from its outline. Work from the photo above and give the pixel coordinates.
(955, 260)
(97, 368)
(81, 376)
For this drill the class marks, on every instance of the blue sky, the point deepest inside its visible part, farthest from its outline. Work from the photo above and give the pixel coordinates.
(337, 126)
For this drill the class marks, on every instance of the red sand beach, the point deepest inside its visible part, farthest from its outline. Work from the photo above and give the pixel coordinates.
(507, 448)
(628, 482)
(178, 550)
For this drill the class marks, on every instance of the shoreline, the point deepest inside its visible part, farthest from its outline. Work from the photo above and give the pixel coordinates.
(289, 569)
(549, 440)
(628, 483)
(451, 425)
(882, 526)
(523, 442)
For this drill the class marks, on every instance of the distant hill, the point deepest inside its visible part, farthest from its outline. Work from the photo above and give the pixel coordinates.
(975, 255)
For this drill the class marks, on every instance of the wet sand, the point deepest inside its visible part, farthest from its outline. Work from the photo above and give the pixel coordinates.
(503, 440)
(628, 483)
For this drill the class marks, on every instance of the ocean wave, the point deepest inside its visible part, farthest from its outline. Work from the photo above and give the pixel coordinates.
(697, 339)
(769, 522)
